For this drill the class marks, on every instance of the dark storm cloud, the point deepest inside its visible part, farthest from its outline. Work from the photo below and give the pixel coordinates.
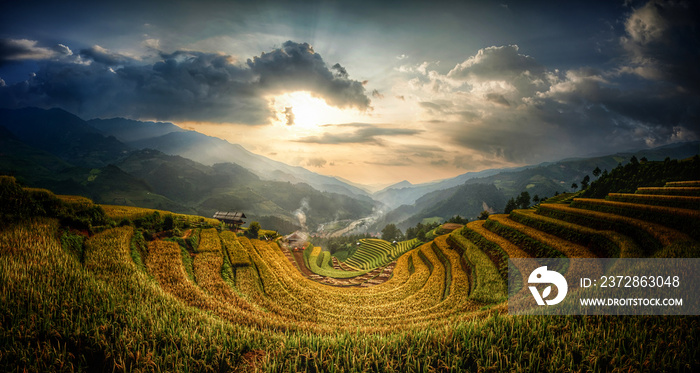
(650, 96)
(658, 105)
(103, 56)
(340, 71)
(663, 42)
(364, 134)
(589, 117)
(500, 142)
(295, 66)
(497, 99)
(23, 49)
(183, 85)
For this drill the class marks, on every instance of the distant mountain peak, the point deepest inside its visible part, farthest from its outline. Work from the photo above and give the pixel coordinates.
(400, 185)
(129, 130)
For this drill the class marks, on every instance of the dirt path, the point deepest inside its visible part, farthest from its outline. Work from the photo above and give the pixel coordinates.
(187, 234)
(299, 257)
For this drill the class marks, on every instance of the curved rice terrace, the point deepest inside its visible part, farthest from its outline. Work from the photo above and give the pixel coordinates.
(225, 302)
(373, 253)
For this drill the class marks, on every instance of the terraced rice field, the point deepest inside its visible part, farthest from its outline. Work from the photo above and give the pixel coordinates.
(373, 253)
(246, 306)
(129, 212)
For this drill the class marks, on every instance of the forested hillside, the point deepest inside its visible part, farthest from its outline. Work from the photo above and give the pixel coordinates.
(57, 150)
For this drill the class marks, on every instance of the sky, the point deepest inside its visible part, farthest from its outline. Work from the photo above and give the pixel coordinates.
(373, 92)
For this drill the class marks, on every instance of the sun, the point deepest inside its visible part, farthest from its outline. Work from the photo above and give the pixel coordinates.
(301, 110)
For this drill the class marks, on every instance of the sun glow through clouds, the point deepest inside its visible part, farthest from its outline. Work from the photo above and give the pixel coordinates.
(301, 110)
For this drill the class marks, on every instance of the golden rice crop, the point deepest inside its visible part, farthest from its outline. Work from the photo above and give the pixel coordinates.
(675, 191)
(695, 183)
(77, 200)
(511, 250)
(165, 264)
(130, 212)
(688, 202)
(571, 250)
(648, 209)
(627, 247)
(276, 258)
(664, 235)
(236, 253)
(209, 240)
(342, 309)
(489, 286)
(207, 269)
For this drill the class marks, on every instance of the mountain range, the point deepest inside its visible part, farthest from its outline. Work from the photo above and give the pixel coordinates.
(209, 150)
(160, 165)
(465, 195)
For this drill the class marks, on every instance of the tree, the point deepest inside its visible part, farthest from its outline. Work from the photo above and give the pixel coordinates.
(391, 233)
(412, 232)
(523, 200)
(597, 171)
(634, 160)
(168, 222)
(536, 198)
(510, 206)
(585, 181)
(253, 230)
(458, 220)
(574, 186)
(484, 215)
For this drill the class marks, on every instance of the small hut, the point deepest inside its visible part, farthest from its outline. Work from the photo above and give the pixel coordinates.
(295, 240)
(231, 219)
